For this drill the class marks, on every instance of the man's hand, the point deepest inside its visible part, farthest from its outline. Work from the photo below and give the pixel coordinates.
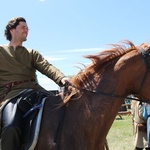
(65, 80)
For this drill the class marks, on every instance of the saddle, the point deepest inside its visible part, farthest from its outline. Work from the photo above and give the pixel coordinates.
(31, 102)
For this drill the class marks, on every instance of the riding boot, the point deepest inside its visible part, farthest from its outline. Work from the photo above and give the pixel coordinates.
(11, 126)
(10, 139)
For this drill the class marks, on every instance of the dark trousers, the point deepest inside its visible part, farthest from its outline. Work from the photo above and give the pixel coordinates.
(11, 126)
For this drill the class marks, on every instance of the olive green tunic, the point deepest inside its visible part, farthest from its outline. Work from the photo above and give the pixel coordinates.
(21, 64)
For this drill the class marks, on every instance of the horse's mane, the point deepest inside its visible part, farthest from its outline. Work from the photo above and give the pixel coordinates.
(89, 77)
(101, 60)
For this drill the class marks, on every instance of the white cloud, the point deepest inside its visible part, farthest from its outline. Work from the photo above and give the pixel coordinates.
(83, 50)
(42, 0)
(68, 54)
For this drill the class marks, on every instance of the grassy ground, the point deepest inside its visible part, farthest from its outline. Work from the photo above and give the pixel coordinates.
(120, 136)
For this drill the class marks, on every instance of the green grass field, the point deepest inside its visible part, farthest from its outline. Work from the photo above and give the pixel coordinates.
(120, 136)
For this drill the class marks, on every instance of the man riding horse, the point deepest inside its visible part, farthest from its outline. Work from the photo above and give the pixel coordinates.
(18, 73)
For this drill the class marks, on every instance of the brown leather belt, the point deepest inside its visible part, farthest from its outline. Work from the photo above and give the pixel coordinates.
(11, 84)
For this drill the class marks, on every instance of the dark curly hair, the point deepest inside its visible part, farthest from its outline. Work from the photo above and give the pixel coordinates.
(12, 24)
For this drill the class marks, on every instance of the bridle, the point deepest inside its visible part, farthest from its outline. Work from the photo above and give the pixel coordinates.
(146, 57)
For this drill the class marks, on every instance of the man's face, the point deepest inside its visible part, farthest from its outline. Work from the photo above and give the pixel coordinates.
(20, 33)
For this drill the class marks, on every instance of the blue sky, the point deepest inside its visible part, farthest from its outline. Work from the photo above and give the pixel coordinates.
(63, 31)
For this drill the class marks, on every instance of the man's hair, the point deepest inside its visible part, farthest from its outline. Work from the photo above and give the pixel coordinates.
(12, 24)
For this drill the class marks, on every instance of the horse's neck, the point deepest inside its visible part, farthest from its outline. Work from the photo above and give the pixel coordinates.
(100, 110)
(123, 77)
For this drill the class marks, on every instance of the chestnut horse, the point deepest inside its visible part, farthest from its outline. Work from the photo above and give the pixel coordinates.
(94, 99)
